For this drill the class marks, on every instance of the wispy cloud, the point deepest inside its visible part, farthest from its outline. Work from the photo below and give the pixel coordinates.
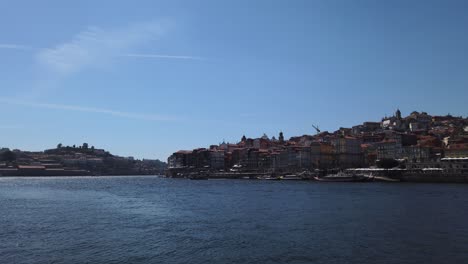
(15, 46)
(96, 46)
(92, 48)
(138, 116)
(160, 56)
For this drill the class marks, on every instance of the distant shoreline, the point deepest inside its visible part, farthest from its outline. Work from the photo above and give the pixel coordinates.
(77, 176)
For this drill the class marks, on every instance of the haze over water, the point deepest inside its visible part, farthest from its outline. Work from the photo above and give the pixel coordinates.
(155, 220)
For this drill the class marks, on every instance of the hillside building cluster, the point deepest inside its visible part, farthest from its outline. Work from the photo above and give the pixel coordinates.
(416, 141)
(74, 161)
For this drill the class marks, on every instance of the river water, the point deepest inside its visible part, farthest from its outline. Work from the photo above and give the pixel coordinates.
(157, 220)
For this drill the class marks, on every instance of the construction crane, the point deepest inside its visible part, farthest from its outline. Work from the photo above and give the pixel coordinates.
(316, 129)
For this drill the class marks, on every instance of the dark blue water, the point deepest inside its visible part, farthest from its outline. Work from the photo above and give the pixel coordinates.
(153, 220)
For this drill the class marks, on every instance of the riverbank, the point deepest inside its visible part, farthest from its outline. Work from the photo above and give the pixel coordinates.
(360, 174)
(377, 177)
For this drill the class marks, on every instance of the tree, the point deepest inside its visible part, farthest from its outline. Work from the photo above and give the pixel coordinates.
(74, 146)
(8, 156)
(59, 145)
(85, 145)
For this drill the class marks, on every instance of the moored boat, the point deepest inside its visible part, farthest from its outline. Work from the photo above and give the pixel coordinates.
(343, 177)
(292, 177)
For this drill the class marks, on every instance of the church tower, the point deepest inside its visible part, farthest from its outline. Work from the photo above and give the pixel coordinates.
(398, 114)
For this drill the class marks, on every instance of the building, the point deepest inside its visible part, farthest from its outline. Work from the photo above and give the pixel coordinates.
(416, 153)
(179, 159)
(388, 149)
(217, 160)
(457, 151)
(348, 152)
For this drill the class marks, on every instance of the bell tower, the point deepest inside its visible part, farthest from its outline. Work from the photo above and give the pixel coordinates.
(398, 114)
(281, 137)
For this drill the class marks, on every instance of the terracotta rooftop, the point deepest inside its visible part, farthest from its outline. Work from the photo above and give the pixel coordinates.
(184, 152)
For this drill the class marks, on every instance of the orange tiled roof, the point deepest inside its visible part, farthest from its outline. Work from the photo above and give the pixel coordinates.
(184, 151)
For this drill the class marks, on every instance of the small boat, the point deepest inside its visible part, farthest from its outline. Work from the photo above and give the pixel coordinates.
(272, 178)
(342, 177)
(292, 177)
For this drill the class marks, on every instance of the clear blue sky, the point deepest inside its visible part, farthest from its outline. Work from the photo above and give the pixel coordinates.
(147, 78)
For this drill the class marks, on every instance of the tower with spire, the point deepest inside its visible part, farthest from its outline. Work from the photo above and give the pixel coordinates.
(281, 137)
(398, 114)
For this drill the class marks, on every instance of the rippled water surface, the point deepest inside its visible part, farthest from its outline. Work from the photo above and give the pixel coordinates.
(155, 220)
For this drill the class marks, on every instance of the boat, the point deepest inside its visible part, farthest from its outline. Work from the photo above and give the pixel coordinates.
(272, 178)
(343, 177)
(292, 177)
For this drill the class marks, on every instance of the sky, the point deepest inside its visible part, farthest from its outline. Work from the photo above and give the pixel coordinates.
(148, 78)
